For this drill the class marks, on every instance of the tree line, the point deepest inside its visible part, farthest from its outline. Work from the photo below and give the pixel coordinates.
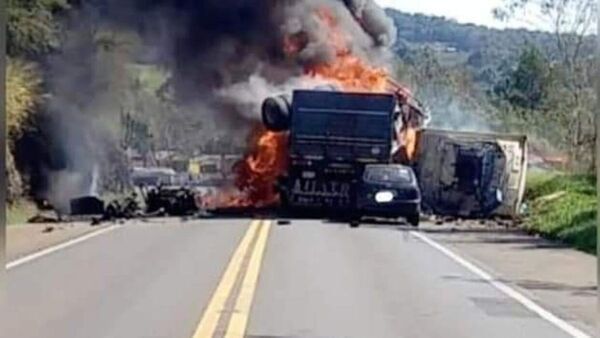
(33, 30)
(537, 82)
(511, 80)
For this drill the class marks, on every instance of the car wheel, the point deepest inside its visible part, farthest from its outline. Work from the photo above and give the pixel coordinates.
(413, 220)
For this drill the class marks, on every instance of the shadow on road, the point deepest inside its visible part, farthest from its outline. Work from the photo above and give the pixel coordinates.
(463, 232)
(482, 234)
(535, 285)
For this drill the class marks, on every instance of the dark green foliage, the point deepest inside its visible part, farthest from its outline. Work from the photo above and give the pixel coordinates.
(527, 86)
(135, 133)
(33, 27)
(23, 95)
(489, 52)
(485, 47)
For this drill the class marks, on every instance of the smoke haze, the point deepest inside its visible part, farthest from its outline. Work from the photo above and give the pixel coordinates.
(223, 56)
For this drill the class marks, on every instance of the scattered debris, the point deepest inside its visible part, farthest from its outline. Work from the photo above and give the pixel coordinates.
(203, 214)
(551, 197)
(284, 222)
(87, 205)
(172, 200)
(158, 201)
(45, 217)
(128, 208)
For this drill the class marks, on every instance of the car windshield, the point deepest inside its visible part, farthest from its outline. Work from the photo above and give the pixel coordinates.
(388, 174)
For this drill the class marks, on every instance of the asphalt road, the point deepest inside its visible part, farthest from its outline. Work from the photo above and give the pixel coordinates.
(238, 277)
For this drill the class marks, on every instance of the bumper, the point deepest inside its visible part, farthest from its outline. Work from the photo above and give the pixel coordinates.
(390, 209)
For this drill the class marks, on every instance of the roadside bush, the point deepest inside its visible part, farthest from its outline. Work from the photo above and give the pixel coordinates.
(563, 207)
(23, 94)
(23, 88)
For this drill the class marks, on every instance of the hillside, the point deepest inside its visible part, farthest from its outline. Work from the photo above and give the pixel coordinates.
(485, 51)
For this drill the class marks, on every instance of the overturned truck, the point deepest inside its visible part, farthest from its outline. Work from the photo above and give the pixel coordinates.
(471, 175)
(341, 161)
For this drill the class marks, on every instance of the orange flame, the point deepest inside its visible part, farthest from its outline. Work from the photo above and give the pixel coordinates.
(257, 174)
(263, 165)
(346, 69)
(408, 140)
(355, 74)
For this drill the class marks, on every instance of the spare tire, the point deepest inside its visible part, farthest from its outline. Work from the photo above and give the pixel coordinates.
(276, 113)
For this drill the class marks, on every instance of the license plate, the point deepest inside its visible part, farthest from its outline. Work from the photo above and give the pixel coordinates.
(321, 188)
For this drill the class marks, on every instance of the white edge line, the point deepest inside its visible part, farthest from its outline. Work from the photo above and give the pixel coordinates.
(58, 247)
(504, 288)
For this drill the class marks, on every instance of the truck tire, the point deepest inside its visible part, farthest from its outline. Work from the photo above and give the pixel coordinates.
(413, 220)
(276, 113)
(355, 223)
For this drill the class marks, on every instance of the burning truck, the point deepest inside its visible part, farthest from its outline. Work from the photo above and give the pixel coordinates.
(367, 154)
(340, 155)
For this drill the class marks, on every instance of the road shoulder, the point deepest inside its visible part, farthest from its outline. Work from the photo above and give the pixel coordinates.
(558, 278)
(26, 239)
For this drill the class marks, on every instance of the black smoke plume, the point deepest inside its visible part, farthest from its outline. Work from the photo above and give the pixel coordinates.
(223, 56)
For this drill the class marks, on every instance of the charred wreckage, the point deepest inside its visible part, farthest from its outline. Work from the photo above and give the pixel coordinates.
(368, 154)
(352, 154)
(362, 148)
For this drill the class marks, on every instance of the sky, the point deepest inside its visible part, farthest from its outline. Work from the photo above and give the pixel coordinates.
(464, 11)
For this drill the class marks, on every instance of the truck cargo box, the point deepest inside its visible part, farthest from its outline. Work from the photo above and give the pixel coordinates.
(341, 127)
(470, 174)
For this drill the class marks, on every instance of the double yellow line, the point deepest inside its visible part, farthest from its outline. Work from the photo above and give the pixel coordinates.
(255, 239)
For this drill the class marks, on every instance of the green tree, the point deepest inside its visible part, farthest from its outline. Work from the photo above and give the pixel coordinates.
(23, 94)
(528, 84)
(572, 22)
(33, 27)
(448, 92)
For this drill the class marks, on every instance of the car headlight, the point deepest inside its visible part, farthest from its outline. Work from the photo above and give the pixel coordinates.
(384, 196)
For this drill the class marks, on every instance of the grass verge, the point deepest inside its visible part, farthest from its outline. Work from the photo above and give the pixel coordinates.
(20, 212)
(563, 207)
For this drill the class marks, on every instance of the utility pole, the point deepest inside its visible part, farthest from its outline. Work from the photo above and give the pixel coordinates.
(597, 155)
(3, 136)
